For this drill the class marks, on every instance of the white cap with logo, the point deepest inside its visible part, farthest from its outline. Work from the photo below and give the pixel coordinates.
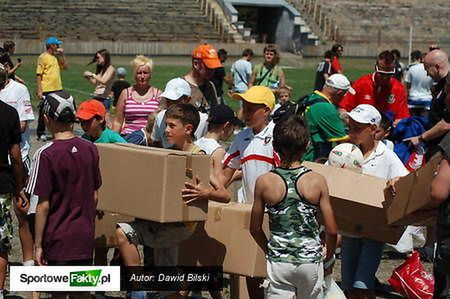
(176, 88)
(339, 81)
(365, 114)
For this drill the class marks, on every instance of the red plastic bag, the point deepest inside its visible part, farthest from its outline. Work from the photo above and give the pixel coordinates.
(411, 280)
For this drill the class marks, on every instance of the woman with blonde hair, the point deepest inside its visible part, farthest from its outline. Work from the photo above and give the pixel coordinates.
(137, 102)
(268, 73)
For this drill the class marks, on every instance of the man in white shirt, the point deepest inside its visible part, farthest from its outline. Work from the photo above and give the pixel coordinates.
(418, 84)
(241, 71)
(16, 95)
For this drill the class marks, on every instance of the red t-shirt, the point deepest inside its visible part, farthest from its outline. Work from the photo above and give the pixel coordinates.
(336, 66)
(385, 99)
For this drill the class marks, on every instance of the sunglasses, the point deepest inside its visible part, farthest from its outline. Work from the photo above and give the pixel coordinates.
(383, 72)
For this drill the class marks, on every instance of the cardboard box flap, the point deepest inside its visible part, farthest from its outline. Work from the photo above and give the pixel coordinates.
(418, 198)
(348, 185)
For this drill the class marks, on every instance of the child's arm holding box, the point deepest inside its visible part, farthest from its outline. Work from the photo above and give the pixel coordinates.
(198, 191)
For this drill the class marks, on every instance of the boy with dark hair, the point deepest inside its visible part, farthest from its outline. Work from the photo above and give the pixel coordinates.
(91, 114)
(181, 122)
(324, 69)
(294, 251)
(221, 124)
(65, 213)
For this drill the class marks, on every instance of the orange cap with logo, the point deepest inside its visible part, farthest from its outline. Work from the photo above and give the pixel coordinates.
(208, 55)
(90, 108)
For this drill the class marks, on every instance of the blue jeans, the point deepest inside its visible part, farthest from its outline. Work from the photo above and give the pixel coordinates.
(360, 260)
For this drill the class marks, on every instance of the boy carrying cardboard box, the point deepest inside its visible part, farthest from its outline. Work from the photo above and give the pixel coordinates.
(181, 123)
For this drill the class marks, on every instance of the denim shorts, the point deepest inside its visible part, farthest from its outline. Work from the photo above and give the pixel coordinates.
(360, 260)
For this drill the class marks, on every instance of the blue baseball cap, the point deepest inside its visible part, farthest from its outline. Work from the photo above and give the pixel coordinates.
(53, 40)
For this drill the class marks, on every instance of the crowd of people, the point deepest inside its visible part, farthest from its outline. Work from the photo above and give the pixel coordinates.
(54, 195)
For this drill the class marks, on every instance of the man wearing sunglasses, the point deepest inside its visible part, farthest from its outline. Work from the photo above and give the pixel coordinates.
(380, 90)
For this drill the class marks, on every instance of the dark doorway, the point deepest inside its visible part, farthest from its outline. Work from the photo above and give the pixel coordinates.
(262, 20)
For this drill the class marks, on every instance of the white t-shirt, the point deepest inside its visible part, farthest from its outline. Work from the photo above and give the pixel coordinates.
(16, 95)
(241, 70)
(159, 127)
(208, 145)
(254, 154)
(420, 83)
(384, 163)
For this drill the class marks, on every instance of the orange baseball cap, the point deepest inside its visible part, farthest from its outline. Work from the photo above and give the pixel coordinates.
(90, 108)
(208, 55)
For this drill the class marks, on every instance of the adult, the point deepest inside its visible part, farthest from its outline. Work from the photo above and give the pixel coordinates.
(437, 66)
(440, 187)
(399, 66)
(336, 64)
(322, 117)
(219, 75)
(119, 85)
(9, 47)
(418, 85)
(241, 71)
(204, 61)
(11, 175)
(268, 73)
(48, 76)
(103, 77)
(137, 102)
(380, 90)
(324, 69)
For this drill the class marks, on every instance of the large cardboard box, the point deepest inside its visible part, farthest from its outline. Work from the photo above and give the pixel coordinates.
(368, 200)
(146, 182)
(225, 239)
(105, 229)
(383, 233)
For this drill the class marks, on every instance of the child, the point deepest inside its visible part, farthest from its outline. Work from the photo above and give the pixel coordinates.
(252, 151)
(360, 256)
(119, 85)
(384, 132)
(177, 91)
(65, 176)
(221, 124)
(294, 251)
(91, 114)
(144, 135)
(284, 97)
(181, 123)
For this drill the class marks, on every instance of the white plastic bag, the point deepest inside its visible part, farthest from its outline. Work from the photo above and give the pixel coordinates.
(332, 290)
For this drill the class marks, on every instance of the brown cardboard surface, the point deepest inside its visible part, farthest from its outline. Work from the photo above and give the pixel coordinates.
(367, 199)
(146, 182)
(225, 240)
(383, 233)
(105, 229)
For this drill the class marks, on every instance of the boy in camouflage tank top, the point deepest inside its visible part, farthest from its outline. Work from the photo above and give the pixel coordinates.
(293, 196)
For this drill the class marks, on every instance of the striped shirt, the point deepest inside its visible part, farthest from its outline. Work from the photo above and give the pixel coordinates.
(254, 154)
(136, 112)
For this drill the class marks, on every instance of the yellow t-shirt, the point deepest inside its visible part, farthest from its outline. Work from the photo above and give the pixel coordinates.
(48, 68)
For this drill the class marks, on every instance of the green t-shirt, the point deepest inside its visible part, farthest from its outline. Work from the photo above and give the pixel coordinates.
(108, 136)
(324, 123)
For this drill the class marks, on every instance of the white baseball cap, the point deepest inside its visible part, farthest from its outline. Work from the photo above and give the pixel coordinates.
(176, 88)
(339, 81)
(365, 114)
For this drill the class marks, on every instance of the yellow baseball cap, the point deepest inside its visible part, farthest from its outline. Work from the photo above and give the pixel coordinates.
(257, 95)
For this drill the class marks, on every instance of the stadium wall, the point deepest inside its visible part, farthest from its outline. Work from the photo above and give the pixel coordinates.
(34, 47)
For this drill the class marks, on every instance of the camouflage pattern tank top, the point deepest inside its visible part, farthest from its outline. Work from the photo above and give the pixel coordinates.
(294, 229)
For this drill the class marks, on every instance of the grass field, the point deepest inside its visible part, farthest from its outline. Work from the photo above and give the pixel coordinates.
(300, 73)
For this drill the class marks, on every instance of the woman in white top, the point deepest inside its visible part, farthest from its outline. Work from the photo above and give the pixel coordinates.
(102, 79)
